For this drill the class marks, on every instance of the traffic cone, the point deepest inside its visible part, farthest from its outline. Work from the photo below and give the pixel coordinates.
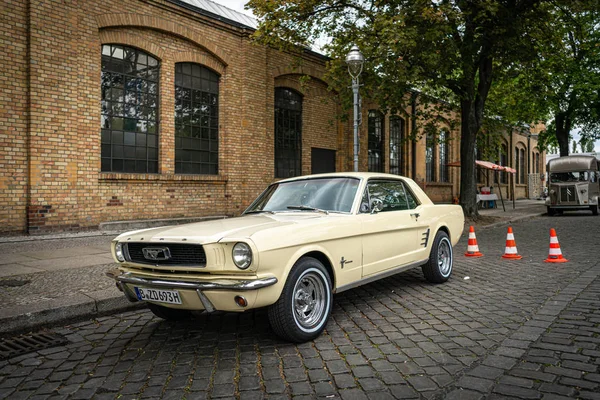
(554, 255)
(472, 248)
(511, 247)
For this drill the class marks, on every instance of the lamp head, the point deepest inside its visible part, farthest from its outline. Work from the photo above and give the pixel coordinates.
(355, 61)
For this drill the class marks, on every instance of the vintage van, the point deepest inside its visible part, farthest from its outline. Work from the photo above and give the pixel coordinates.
(573, 184)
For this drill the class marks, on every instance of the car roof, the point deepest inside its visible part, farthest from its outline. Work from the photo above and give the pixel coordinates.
(357, 175)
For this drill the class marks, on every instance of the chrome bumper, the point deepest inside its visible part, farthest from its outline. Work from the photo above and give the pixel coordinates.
(221, 284)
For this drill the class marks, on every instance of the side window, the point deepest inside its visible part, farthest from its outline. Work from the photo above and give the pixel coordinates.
(391, 195)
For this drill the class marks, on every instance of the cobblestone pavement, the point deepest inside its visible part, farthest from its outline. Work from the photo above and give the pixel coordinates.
(497, 329)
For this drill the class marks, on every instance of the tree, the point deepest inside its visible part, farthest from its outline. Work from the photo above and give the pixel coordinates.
(449, 48)
(574, 147)
(564, 75)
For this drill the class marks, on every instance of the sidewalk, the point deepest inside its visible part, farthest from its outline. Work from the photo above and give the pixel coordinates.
(45, 280)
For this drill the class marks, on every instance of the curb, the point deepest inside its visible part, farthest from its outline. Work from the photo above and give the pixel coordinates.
(511, 220)
(54, 312)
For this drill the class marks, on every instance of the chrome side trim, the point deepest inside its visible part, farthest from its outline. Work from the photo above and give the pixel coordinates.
(380, 275)
(220, 284)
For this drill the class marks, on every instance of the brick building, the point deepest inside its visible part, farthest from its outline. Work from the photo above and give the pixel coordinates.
(145, 109)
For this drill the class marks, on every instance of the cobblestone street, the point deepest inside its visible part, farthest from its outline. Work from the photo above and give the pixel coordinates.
(498, 329)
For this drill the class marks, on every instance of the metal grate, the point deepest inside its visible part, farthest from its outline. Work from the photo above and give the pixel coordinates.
(180, 254)
(567, 194)
(23, 344)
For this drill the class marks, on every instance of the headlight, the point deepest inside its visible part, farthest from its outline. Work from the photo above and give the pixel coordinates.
(119, 252)
(242, 255)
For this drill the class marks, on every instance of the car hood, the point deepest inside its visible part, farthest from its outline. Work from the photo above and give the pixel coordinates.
(216, 230)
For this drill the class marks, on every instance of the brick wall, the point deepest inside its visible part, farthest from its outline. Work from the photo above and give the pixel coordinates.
(13, 115)
(50, 177)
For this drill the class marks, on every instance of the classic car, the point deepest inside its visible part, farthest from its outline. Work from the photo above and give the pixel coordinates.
(302, 240)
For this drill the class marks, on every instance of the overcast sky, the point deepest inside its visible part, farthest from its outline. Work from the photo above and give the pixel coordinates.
(238, 5)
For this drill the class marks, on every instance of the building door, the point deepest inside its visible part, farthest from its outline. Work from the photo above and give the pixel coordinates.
(322, 160)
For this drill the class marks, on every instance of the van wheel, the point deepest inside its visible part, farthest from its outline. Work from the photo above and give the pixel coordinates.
(305, 304)
(170, 314)
(439, 267)
(551, 211)
(594, 209)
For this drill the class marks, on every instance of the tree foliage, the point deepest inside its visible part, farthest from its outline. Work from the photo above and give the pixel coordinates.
(451, 49)
(561, 82)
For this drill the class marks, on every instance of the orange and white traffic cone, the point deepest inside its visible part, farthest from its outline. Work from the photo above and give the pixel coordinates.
(511, 247)
(472, 248)
(554, 255)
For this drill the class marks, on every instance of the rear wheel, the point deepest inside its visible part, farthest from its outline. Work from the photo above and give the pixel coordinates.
(551, 211)
(594, 209)
(439, 267)
(304, 306)
(170, 314)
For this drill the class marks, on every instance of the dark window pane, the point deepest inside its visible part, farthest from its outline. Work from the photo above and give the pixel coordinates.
(125, 78)
(288, 133)
(192, 110)
(375, 141)
(396, 142)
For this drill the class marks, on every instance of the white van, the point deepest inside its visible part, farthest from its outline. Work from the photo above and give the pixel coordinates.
(573, 184)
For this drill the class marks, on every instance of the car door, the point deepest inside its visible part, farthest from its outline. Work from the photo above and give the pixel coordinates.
(390, 233)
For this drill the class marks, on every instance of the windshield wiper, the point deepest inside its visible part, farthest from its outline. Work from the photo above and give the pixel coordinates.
(259, 212)
(307, 208)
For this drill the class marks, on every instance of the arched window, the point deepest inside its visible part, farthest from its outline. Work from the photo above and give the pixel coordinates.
(196, 120)
(288, 133)
(430, 156)
(520, 165)
(375, 141)
(443, 151)
(129, 115)
(396, 138)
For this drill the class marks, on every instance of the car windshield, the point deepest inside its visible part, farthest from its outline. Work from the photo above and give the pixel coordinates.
(317, 194)
(578, 176)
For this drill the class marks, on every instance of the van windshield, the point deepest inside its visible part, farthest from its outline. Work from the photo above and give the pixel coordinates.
(578, 176)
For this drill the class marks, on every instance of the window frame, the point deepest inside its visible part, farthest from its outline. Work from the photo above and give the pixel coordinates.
(129, 113)
(396, 139)
(197, 128)
(284, 116)
(375, 141)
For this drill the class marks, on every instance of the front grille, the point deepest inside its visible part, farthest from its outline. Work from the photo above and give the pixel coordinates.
(180, 254)
(567, 194)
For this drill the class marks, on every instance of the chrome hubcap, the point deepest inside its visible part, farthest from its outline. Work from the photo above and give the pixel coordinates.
(444, 257)
(309, 300)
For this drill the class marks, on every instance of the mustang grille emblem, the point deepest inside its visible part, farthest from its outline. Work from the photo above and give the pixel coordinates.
(156, 253)
(568, 192)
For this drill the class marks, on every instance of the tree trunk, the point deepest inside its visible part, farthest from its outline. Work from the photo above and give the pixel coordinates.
(471, 109)
(468, 183)
(563, 128)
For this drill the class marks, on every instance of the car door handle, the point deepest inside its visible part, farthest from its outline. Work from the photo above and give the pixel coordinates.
(416, 215)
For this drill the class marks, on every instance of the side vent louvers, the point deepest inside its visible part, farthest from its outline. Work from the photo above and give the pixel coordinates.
(425, 238)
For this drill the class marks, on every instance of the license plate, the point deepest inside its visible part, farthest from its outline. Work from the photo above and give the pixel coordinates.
(158, 295)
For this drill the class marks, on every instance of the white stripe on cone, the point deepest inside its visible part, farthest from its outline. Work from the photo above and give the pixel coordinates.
(510, 236)
(553, 239)
(555, 252)
(510, 250)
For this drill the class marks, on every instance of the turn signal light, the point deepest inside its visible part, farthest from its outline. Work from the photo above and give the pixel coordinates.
(241, 301)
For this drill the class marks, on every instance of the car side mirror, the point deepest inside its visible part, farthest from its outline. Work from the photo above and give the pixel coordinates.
(376, 206)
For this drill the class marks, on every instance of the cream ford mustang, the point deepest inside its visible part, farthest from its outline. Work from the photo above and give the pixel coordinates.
(302, 240)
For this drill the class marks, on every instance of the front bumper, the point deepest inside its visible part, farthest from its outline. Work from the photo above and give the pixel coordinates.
(124, 279)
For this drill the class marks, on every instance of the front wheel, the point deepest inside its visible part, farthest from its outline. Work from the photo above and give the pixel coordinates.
(304, 306)
(551, 211)
(439, 266)
(595, 209)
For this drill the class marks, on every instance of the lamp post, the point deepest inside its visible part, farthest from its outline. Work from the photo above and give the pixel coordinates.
(355, 61)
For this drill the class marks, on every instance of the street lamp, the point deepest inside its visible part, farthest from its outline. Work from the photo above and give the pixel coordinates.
(355, 61)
